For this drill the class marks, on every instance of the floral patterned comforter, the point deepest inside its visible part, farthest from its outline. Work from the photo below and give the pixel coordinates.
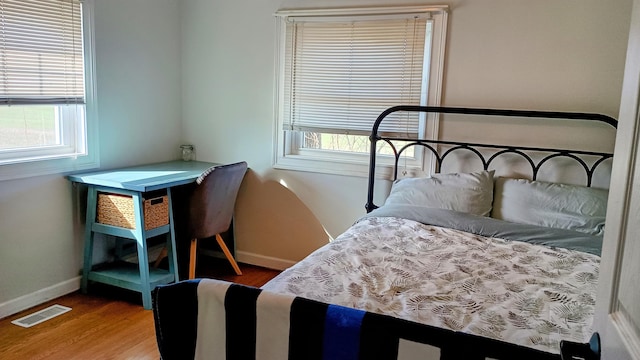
(522, 293)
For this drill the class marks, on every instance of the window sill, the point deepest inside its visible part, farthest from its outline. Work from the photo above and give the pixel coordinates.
(47, 167)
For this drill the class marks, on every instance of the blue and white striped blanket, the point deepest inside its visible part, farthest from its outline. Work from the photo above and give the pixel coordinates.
(210, 319)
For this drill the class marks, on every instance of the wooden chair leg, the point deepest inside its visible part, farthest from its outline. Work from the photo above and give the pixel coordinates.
(227, 253)
(192, 259)
(163, 254)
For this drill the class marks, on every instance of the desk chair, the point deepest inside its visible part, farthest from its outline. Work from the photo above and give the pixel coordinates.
(211, 207)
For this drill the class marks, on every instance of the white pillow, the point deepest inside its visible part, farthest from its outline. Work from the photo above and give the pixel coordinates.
(465, 192)
(562, 206)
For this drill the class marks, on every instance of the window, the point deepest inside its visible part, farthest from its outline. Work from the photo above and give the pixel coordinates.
(47, 124)
(338, 69)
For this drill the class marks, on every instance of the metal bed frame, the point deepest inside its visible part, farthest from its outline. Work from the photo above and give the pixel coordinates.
(486, 159)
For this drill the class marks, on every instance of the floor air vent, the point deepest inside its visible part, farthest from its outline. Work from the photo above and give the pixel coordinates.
(41, 316)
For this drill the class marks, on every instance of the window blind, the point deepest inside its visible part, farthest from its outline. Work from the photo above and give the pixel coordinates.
(41, 56)
(340, 75)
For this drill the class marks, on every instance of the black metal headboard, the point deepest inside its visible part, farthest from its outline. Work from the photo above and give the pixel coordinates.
(486, 160)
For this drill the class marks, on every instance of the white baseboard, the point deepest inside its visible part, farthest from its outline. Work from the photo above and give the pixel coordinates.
(264, 261)
(24, 302)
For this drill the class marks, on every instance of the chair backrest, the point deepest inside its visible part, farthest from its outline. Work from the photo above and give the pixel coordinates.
(213, 200)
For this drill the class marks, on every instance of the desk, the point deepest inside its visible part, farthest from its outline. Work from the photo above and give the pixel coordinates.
(134, 181)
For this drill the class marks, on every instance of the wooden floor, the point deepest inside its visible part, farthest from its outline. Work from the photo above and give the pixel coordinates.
(107, 323)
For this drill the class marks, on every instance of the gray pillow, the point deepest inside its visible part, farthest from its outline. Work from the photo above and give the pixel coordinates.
(560, 206)
(470, 193)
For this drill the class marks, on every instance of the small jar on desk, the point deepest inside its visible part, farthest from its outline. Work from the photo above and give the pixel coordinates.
(187, 152)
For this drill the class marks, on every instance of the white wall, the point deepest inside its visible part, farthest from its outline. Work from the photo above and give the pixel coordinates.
(138, 67)
(138, 90)
(542, 55)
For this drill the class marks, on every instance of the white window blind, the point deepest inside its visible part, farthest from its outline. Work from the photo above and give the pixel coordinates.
(341, 74)
(41, 53)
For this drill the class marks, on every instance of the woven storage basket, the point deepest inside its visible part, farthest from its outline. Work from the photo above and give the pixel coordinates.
(117, 210)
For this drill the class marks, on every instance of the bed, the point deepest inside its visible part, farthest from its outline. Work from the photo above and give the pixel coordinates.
(457, 265)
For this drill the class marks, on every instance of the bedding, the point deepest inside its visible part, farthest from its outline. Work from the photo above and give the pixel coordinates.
(466, 192)
(553, 205)
(212, 319)
(509, 290)
(490, 227)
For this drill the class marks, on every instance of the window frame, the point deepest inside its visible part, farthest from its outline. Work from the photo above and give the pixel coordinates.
(288, 153)
(84, 155)
(70, 128)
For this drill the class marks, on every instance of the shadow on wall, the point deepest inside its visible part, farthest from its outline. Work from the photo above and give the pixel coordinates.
(271, 221)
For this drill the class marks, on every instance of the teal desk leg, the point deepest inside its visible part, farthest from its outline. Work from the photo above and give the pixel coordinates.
(171, 242)
(143, 256)
(88, 237)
